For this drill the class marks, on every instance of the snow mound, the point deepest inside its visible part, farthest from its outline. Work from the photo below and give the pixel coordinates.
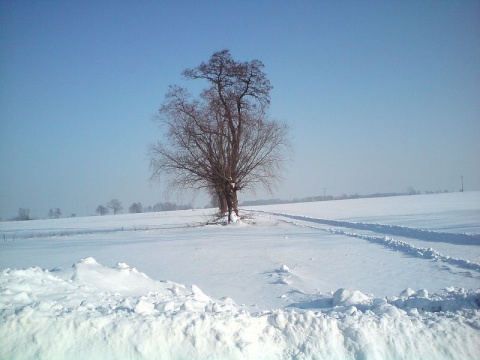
(282, 274)
(345, 297)
(407, 293)
(121, 279)
(119, 312)
(283, 269)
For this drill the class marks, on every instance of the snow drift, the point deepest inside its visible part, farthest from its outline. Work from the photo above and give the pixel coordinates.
(95, 312)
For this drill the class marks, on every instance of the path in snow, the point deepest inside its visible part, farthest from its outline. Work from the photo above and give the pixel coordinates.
(470, 240)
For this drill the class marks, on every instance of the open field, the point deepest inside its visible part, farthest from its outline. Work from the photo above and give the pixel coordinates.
(368, 278)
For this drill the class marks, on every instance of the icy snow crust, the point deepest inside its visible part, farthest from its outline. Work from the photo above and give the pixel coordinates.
(288, 282)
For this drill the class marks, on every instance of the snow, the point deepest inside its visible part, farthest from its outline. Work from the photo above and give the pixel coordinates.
(385, 278)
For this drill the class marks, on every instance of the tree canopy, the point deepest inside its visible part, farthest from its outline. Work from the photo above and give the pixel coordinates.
(221, 140)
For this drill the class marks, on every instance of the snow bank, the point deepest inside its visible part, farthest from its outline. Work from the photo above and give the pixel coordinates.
(95, 312)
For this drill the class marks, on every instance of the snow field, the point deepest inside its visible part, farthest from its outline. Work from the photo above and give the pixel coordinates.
(288, 282)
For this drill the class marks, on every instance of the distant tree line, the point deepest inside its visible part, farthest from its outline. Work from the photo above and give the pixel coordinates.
(116, 206)
(158, 207)
(24, 214)
(410, 191)
(168, 206)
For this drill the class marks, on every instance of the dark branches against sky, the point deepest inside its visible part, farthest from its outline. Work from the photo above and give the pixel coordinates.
(223, 140)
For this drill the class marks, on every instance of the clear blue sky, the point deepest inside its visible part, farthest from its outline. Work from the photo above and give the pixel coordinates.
(379, 95)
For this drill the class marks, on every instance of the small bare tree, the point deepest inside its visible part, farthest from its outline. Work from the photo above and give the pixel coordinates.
(102, 210)
(222, 141)
(23, 214)
(115, 205)
(136, 208)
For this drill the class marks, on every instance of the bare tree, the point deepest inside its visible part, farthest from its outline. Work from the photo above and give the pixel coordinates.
(221, 141)
(136, 208)
(102, 210)
(55, 214)
(23, 214)
(115, 205)
(411, 190)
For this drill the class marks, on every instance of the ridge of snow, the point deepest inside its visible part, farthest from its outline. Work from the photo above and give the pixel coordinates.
(164, 319)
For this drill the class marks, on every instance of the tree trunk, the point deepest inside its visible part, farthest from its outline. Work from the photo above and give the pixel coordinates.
(230, 195)
(222, 203)
(229, 198)
(235, 201)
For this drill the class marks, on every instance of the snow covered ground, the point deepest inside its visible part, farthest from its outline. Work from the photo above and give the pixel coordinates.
(385, 278)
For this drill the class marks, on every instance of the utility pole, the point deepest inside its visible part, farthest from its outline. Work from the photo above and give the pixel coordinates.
(461, 177)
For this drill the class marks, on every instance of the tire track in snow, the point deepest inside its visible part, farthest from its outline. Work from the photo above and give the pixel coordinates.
(397, 245)
(396, 230)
